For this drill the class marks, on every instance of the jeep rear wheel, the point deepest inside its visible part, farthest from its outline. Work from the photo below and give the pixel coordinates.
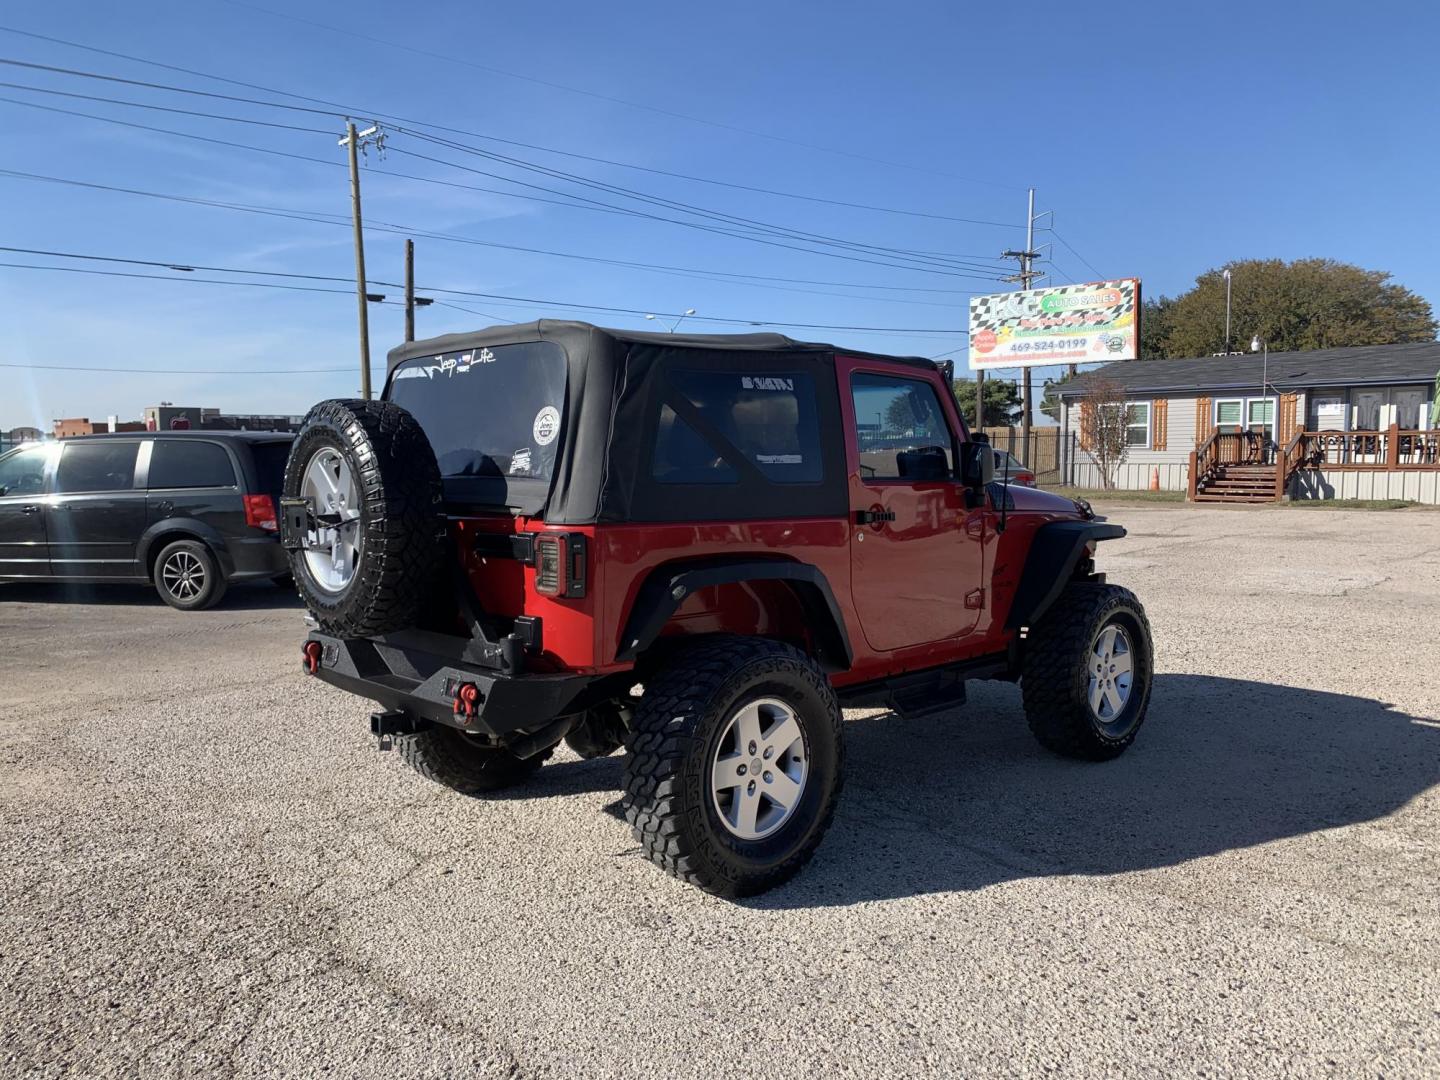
(1087, 672)
(735, 765)
(463, 764)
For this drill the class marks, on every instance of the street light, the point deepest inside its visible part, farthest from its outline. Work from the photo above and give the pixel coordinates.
(1260, 345)
(688, 312)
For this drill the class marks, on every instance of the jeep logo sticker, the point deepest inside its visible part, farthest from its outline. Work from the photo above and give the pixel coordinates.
(766, 382)
(547, 425)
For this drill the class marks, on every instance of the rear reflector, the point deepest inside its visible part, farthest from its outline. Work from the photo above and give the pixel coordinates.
(260, 513)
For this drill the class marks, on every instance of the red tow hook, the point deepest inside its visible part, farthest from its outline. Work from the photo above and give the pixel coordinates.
(466, 697)
(311, 651)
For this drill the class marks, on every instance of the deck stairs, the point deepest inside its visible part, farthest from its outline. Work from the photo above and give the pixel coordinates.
(1238, 484)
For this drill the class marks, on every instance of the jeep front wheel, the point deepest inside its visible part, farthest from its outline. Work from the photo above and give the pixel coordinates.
(1087, 672)
(735, 765)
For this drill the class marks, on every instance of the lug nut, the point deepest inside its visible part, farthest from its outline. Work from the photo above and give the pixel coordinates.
(751, 789)
(742, 769)
(769, 752)
(769, 776)
(752, 747)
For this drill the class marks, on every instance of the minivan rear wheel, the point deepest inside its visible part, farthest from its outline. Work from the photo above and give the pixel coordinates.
(188, 577)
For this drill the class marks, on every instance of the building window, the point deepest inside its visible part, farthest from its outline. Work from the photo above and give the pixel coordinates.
(1137, 424)
(1228, 413)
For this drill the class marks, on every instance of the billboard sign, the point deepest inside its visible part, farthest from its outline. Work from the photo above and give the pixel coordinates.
(1067, 324)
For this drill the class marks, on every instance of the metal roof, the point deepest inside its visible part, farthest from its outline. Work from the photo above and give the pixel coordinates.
(1363, 365)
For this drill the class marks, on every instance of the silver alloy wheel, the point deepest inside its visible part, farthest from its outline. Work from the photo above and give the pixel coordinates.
(760, 768)
(1111, 671)
(183, 575)
(332, 551)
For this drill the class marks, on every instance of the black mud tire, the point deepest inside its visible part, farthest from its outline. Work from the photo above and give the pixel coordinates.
(599, 734)
(402, 526)
(189, 553)
(456, 760)
(675, 732)
(1055, 675)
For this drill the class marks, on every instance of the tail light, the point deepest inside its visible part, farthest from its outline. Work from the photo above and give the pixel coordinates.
(560, 564)
(260, 513)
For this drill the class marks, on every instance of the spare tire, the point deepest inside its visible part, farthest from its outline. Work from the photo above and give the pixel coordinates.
(377, 547)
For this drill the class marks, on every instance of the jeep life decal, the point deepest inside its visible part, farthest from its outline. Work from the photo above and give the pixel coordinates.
(1071, 324)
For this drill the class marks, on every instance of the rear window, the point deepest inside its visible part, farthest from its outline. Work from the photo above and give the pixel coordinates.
(270, 458)
(768, 419)
(489, 412)
(182, 463)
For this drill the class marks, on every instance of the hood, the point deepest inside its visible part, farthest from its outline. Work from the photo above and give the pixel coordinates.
(1029, 500)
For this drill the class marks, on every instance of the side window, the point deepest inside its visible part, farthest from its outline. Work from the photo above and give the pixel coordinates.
(717, 423)
(183, 463)
(23, 472)
(98, 465)
(895, 419)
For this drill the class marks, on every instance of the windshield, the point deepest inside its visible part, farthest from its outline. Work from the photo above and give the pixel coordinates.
(493, 412)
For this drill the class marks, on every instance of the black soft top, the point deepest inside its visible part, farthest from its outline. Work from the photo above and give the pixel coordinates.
(616, 383)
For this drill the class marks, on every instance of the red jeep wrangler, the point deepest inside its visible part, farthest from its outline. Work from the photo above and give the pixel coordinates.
(699, 547)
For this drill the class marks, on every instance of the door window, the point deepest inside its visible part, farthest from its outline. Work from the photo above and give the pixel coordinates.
(1368, 404)
(894, 419)
(1260, 413)
(101, 465)
(23, 472)
(1409, 402)
(183, 463)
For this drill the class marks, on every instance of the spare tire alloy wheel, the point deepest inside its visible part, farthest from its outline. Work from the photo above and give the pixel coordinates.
(375, 544)
(332, 549)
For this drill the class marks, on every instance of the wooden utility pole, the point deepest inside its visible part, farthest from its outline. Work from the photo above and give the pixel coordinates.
(1026, 277)
(409, 290)
(352, 142)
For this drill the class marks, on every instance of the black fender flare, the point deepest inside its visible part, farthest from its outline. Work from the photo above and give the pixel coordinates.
(195, 529)
(1050, 564)
(667, 587)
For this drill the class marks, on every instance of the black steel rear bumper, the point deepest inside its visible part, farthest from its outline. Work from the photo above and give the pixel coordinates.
(420, 674)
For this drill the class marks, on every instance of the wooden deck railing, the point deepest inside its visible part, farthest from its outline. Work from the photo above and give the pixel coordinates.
(1374, 451)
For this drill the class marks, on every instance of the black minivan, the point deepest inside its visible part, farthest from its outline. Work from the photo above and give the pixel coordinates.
(189, 511)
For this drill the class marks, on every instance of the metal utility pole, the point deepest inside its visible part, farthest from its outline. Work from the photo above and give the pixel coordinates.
(1227, 312)
(352, 142)
(1026, 277)
(409, 290)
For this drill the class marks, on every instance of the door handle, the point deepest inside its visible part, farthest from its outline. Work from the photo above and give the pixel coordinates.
(873, 517)
(30, 509)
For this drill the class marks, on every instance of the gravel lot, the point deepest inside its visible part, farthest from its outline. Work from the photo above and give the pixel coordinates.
(208, 869)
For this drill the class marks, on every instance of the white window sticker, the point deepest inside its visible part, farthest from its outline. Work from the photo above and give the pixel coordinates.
(780, 459)
(547, 425)
(765, 382)
(520, 463)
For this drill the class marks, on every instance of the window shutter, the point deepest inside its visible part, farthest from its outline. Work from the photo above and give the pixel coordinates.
(1159, 422)
(1087, 424)
(1289, 407)
(1203, 428)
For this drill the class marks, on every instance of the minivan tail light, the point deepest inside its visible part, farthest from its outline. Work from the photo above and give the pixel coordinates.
(260, 513)
(560, 564)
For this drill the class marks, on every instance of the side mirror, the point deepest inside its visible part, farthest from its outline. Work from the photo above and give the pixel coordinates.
(977, 464)
(925, 464)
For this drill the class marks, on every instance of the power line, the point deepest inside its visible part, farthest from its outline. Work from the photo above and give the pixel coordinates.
(579, 202)
(925, 331)
(340, 110)
(325, 218)
(174, 371)
(1077, 254)
(770, 228)
(166, 108)
(390, 44)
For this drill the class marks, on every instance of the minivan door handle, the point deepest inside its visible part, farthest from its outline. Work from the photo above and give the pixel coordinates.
(30, 509)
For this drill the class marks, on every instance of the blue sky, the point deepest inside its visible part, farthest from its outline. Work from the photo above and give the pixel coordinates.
(1167, 139)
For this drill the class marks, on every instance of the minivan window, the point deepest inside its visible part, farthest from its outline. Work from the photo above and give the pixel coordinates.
(270, 458)
(488, 411)
(183, 463)
(23, 472)
(101, 465)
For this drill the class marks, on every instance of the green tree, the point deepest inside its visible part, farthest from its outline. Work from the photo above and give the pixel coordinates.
(1002, 401)
(1300, 305)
